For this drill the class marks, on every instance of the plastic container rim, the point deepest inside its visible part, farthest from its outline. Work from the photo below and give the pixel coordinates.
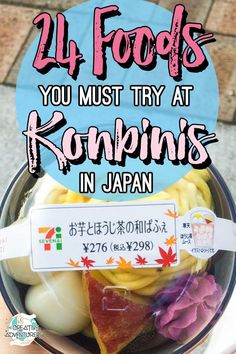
(186, 347)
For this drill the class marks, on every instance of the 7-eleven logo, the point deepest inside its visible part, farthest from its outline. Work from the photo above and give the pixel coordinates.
(52, 236)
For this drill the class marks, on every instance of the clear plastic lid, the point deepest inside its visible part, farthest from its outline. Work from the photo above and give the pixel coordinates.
(124, 310)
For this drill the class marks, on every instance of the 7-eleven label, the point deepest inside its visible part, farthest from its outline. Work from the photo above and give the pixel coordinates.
(51, 237)
(108, 235)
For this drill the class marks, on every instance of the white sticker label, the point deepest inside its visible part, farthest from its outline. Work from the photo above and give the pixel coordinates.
(15, 240)
(111, 235)
(202, 233)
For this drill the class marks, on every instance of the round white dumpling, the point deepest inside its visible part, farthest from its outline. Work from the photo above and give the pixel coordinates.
(59, 303)
(19, 269)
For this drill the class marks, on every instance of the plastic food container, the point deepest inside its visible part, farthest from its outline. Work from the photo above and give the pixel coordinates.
(165, 310)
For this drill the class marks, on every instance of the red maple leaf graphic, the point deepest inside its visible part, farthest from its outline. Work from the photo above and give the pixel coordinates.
(167, 257)
(140, 260)
(87, 262)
